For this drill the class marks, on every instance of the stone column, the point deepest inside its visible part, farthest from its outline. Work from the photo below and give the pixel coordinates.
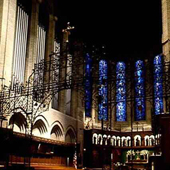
(62, 73)
(166, 28)
(7, 36)
(32, 39)
(50, 36)
(49, 47)
(77, 107)
(166, 45)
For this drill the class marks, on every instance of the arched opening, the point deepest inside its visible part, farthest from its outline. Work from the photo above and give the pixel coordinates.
(56, 133)
(105, 139)
(146, 139)
(113, 141)
(128, 138)
(94, 140)
(137, 140)
(18, 122)
(109, 140)
(152, 140)
(70, 136)
(118, 141)
(100, 139)
(124, 141)
(39, 128)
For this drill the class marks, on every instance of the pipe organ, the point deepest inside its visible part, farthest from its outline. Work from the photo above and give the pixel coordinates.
(41, 38)
(21, 35)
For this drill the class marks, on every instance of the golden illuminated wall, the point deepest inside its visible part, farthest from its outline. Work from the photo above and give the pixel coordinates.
(7, 32)
(166, 28)
(8, 23)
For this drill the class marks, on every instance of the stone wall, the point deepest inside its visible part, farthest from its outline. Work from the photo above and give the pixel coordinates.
(166, 28)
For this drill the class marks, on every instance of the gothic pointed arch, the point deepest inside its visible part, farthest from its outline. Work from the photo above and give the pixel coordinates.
(70, 135)
(39, 128)
(43, 118)
(57, 131)
(18, 122)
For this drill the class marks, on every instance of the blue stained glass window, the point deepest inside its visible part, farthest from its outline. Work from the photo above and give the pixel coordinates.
(103, 90)
(88, 85)
(158, 84)
(139, 91)
(120, 92)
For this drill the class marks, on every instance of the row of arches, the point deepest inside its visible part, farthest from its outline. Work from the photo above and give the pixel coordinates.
(98, 139)
(152, 140)
(125, 141)
(41, 128)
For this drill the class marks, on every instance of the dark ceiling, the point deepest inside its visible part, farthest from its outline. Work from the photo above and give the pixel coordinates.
(126, 28)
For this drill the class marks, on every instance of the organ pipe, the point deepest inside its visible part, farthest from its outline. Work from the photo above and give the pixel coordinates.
(21, 33)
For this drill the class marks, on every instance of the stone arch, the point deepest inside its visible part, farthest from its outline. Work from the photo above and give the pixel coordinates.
(137, 140)
(123, 141)
(113, 141)
(105, 139)
(100, 139)
(109, 140)
(39, 128)
(118, 140)
(146, 139)
(43, 119)
(94, 139)
(18, 122)
(70, 135)
(128, 138)
(57, 132)
(151, 140)
(59, 124)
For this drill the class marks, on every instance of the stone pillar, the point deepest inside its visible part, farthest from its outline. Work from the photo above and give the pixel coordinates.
(166, 29)
(77, 103)
(49, 47)
(142, 141)
(62, 73)
(32, 39)
(166, 45)
(7, 36)
(66, 66)
(50, 36)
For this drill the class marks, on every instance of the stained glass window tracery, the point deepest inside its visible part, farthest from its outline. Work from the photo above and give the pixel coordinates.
(103, 108)
(88, 85)
(120, 92)
(158, 84)
(139, 91)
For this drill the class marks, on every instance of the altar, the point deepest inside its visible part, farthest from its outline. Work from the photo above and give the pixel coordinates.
(137, 159)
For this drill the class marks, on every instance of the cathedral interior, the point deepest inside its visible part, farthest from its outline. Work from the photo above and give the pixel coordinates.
(65, 103)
